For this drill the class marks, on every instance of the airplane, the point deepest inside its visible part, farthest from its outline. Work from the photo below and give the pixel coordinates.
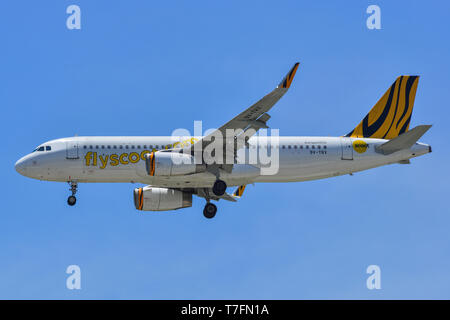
(174, 168)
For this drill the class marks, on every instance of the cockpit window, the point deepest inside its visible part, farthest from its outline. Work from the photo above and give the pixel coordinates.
(42, 148)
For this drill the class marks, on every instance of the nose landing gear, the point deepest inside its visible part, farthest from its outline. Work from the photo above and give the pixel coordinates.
(71, 200)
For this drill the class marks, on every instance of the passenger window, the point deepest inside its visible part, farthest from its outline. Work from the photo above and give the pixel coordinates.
(138, 147)
(318, 147)
(301, 147)
(48, 148)
(126, 147)
(114, 147)
(103, 147)
(289, 146)
(324, 147)
(84, 147)
(284, 147)
(120, 147)
(307, 147)
(295, 147)
(109, 147)
(90, 147)
(313, 147)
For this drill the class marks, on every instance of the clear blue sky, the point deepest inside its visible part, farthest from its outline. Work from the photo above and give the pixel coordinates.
(146, 68)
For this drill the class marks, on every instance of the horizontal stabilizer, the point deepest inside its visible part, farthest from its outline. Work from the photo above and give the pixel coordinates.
(404, 141)
(239, 191)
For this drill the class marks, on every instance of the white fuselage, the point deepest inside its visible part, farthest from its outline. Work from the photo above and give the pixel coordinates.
(121, 159)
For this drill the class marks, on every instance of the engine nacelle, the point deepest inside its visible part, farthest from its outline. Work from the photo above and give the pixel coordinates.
(161, 199)
(171, 164)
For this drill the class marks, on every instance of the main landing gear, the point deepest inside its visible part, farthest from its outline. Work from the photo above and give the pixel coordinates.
(219, 187)
(71, 200)
(210, 210)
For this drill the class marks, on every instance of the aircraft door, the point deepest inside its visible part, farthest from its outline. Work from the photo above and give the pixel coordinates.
(347, 149)
(72, 150)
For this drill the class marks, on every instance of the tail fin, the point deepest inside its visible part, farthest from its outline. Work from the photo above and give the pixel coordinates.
(391, 115)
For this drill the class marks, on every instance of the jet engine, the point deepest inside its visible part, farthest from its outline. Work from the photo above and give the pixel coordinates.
(171, 164)
(161, 199)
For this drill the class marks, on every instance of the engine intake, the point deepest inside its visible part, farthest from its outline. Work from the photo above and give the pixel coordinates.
(161, 199)
(171, 164)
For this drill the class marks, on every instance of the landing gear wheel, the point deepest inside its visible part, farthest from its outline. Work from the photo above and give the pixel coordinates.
(210, 210)
(219, 188)
(71, 200)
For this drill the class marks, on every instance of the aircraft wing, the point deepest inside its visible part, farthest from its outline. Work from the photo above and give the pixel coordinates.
(256, 114)
(255, 117)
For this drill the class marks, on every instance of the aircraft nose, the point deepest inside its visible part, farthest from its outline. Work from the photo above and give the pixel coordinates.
(21, 166)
